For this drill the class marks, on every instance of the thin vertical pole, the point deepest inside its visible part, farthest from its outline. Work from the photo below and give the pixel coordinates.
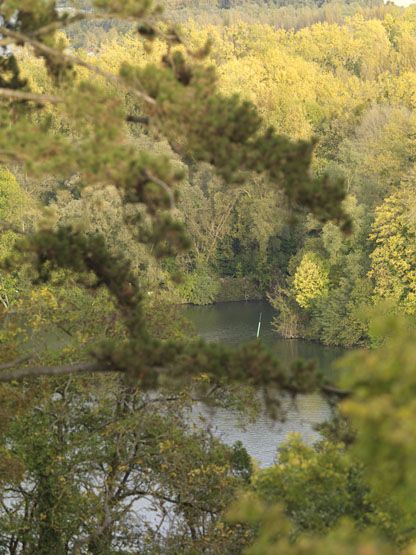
(258, 327)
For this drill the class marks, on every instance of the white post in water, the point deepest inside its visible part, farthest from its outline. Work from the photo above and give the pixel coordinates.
(258, 327)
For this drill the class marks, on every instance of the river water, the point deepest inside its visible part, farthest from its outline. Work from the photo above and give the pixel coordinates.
(235, 323)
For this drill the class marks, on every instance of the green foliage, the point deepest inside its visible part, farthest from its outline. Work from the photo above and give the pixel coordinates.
(358, 105)
(363, 470)
(355, 105)
(274, 536)
(381, 411)
(199, 287)
(87, 457)
(88, 134)
(86, 448)
(133, 8)
(381, 151)
(317, 486)
(289, 321)
(340, 318)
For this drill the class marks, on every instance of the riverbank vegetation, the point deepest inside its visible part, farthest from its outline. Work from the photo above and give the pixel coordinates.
(144, 164)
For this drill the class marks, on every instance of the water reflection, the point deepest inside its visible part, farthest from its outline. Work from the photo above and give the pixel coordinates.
(234, 323)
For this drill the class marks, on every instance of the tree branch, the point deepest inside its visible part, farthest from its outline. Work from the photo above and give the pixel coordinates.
(22, 95)
(138, 119)
(174, 500)
(96, 367)
(38, 371)
(332, 390)
(15, 362)
(21, 38)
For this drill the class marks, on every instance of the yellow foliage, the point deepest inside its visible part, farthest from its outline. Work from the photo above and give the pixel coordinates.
(311, 280)
(393, 260)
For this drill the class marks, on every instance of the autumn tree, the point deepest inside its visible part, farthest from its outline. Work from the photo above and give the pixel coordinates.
(394, 256)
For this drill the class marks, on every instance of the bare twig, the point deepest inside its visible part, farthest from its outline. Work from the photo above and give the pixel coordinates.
(164, 186)
(174, 500)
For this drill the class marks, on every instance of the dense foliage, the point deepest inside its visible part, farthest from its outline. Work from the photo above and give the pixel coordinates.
(348, 86)
(145, 164)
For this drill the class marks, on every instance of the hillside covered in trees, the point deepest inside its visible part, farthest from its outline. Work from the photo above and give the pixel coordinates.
(207, 152)
(347, 85)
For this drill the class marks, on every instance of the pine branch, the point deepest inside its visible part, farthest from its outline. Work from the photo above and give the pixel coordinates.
(33, 97)
(20, 38)
(42, 371)
(96, 367)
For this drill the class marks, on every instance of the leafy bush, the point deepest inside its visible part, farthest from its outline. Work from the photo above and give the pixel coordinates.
(199, 287)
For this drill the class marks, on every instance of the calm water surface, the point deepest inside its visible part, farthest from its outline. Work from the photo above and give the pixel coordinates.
(235, 323)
